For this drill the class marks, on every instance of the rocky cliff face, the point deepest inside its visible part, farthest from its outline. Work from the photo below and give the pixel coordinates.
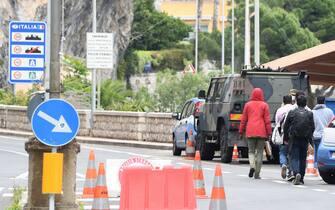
(112, 16)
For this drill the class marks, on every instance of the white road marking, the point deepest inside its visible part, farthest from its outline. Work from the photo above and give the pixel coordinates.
(15, 152)
(332, 193)
(7, 195)
(242, 175)
(112, 207)
(299, 186)
(91, 199)
(116, 151)
(186, 164)
(227, 172)
(80, 175)
(13, 138)
(319, 190)
(22, 176)
(279, 182)
(209, 169)
(1, 189)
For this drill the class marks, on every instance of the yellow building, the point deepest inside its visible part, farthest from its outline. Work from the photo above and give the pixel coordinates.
(186, 11)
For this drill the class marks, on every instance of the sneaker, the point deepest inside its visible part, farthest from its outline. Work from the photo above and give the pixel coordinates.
(251, 172)
(290, 178)
(283, 171)
(297, 179)
(257, 177)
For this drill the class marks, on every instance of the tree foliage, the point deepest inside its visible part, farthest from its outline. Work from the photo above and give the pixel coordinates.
(153, 30)
(318, 16)
(173, 90)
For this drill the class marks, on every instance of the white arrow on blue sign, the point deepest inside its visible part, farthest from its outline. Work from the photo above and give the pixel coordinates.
(55, 122)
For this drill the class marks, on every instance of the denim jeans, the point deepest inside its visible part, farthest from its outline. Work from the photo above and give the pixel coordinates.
(298, 154)
(283, 152)
(316, 147)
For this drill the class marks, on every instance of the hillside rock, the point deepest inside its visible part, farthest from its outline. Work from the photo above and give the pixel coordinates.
(112, 16)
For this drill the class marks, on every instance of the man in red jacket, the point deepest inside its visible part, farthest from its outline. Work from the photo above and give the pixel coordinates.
(256, 122)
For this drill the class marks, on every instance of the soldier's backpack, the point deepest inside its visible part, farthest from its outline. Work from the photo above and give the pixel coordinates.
(300, 126)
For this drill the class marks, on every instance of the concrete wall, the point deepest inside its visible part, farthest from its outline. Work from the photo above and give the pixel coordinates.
(154, 127)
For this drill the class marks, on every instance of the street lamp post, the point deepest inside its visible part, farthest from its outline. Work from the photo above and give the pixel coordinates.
(257, 42)
(222, 37)
(233, 38)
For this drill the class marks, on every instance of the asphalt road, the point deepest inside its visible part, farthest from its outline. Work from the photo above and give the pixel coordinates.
(242, 193)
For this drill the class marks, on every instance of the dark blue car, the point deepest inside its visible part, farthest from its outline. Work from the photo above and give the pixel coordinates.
(326, 154)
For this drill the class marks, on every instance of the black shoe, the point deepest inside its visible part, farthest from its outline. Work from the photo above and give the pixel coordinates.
(302, 181)
(290, 178)
(297, 179)
(251, 172)
(283, 171)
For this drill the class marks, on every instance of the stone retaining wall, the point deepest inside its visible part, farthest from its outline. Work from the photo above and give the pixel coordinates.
(153, 127)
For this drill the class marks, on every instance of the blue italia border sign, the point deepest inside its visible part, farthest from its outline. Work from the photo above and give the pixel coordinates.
(27, 50)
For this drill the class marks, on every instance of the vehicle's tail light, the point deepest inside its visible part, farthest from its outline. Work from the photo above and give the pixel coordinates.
(197, 108)
(235, 117)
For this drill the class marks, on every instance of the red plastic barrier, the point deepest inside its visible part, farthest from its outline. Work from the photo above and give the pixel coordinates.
(143, 188)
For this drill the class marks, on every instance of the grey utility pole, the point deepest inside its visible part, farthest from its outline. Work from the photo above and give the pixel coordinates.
(36, 199)
(196, 34)
(222, 36)
(233, 38)
(247, 36)
(257, 42)
(94, 71)
(54, 46)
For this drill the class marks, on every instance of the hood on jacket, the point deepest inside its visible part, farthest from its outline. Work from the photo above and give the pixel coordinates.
(257, 95)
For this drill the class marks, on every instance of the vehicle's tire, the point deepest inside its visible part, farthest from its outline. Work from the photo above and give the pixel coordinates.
(175, 150)
(327, 176)
(226, 151)
(206, 150)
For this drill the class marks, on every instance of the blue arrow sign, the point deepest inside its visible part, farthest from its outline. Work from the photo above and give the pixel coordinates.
(55, 122)
(26, 51)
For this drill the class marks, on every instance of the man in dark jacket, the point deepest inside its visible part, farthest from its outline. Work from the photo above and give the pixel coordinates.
(299, 128)
(256, 121)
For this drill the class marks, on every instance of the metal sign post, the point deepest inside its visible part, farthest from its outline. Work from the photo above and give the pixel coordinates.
(99, 55)
(52, 196)
(55, 123)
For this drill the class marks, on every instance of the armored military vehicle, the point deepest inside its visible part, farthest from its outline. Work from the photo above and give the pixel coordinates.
(219, 120)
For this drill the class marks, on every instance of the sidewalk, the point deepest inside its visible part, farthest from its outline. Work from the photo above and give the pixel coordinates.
(103, 141)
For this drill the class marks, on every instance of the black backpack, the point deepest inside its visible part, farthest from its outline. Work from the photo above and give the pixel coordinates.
(301, 124)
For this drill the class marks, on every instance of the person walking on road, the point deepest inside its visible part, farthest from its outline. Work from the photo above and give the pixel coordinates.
(256, 123)
(299, 128)
(283, 148)
(322, 117)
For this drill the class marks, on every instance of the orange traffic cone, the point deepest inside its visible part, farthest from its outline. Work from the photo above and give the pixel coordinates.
(198, 177)
(235, 158)
(100, 201)
(91, 176)
(310, 170)
(218, 197)
(190, 149)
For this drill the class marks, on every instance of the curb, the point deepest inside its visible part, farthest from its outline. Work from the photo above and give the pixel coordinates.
(102, 141)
